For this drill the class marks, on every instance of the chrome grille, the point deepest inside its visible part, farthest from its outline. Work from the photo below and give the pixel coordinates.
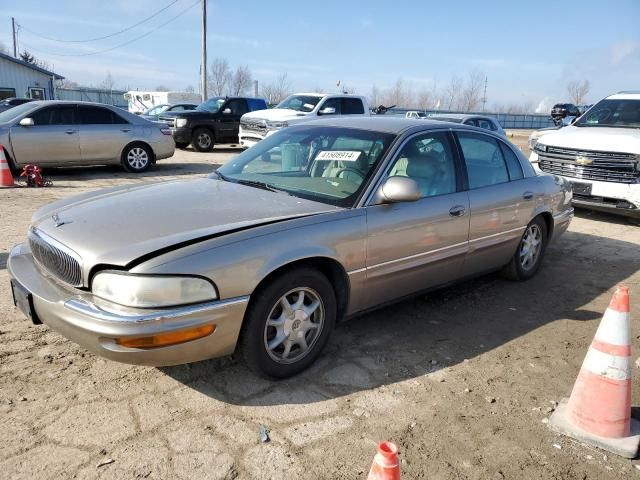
(170, 121)
(255, 126)
(55, 258)
(589, 165)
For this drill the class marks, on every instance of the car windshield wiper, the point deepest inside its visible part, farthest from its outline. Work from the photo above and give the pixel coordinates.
(262, 185)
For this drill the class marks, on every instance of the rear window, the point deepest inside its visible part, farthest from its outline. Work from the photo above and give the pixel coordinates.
(352, 106)
(98, 116)
(256, 104)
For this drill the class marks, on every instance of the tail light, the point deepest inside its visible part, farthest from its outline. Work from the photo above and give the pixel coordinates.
(165, 131)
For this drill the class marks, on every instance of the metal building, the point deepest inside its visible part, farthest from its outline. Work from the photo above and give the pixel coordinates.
(24, 80)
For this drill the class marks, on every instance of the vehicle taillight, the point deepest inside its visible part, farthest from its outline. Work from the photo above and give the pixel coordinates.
(165, 131)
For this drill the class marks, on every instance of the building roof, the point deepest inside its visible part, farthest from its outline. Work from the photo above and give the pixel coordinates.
(4, 56)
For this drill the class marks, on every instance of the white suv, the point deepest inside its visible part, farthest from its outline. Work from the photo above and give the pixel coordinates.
(255, 126)
(599, 154)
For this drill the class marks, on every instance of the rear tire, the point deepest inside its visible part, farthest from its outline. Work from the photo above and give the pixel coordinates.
(284, 332)
(203, 140)
(528, 256)
(137, 158)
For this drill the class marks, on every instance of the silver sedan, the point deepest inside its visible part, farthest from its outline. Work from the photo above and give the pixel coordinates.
(316, 223)
(58, 134)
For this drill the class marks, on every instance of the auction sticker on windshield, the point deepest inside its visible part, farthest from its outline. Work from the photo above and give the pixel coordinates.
(342, 155)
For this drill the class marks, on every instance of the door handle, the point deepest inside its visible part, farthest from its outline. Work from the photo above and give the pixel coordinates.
(457, 211)
(527, 195)
(125, 130)
(70, 132)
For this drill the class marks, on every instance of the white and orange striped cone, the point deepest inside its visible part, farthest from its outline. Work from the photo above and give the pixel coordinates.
(6, 178)
(599, 409)
(385, 463)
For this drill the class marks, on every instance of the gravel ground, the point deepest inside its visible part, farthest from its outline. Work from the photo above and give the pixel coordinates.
(461, 379)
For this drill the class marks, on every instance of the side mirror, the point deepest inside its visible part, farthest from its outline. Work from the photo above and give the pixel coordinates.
(27, 122)
(399, 189)
(138, 113)
(226, 111)
(327, 111)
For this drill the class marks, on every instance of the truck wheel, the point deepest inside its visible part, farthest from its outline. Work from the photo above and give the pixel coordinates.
(203, 140)
(288, 323)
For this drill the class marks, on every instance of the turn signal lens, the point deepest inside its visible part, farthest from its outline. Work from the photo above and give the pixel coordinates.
(165, 339)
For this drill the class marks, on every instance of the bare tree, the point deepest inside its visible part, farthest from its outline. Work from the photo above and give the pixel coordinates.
(4, 49)
(220, 77)
(277, 91)
(162, 88)
(189, 89)
(424, 100)
(472, 93)
(400, 94)
(108, 83)
(66, 83)
(452, 93)
(578, 91)
(241, 81)
(374, 97)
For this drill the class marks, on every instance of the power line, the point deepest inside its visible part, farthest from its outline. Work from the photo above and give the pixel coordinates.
(100, 38)
(117, 46)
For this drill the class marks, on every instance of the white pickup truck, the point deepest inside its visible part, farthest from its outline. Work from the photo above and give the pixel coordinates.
(300, 107)
(599, 154)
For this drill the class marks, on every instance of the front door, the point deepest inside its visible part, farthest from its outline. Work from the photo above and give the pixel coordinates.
(53, 138)
(412, 246)
(501, 199)
(230, 122)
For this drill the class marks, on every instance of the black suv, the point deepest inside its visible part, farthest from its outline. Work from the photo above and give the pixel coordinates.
(8, 103)
(562, 110)
(216, 120)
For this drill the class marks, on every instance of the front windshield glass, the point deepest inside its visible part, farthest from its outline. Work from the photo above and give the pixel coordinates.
(15, 112)
(299, 103)
(156, 110)
(212, 105)
(612, 113)
(325, 164)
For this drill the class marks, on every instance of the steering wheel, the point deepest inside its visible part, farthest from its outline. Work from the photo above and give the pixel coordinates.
(350, 169)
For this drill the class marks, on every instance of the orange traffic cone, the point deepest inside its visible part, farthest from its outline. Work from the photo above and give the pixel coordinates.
(6, 178)
(599, 409)
(385, 463)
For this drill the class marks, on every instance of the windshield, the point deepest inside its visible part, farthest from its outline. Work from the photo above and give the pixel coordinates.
(612, 113)
(299, 103)
(325, 164)
(158, 109)
(15, 112)
(212, 105)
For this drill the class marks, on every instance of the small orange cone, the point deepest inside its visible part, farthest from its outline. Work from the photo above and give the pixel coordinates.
(385, 463)
(6, 178)
(599, 409)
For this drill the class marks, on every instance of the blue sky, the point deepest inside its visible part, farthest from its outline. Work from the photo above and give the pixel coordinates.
(529, 50)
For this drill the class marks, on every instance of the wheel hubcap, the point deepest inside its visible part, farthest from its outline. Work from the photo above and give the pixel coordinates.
(294, 325)
(530, 247)
(137, 158)
(204, 140)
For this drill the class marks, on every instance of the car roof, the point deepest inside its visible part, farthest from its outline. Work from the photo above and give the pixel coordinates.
(379, 123)
(461, 116)
(630, 95)
(70, 102)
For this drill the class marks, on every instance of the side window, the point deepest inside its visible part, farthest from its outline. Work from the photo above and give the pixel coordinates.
(352, 106)
(98, 116)
(482, 155)
(486, 124)
(44, 116)
(238, 106)
(428, 160)
(177, 108)
(471, 121)
(333, 103)
(513, 164)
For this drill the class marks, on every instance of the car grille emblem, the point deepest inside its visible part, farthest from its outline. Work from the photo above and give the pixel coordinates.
(583, 160)
(58, 221)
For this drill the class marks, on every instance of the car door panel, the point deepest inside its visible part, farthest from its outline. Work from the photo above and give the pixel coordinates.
(230, 122)
(101, 140)
(52, 140)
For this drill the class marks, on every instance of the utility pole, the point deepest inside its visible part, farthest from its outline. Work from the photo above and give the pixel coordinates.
(484, 98)
(255, 88)
(15, 47)
(203, 69)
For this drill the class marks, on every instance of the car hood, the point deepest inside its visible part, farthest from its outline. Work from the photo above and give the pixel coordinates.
(275, 114)
(608, 139)
(119, 225)
(188, 114)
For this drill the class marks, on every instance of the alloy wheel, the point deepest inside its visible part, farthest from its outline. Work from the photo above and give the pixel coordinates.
(530, 247)
(137, 158)
(204, 140)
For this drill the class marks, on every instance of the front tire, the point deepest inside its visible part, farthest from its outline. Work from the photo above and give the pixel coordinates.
(203, 140)
(137, 158)
(526, 261)
(288, 323)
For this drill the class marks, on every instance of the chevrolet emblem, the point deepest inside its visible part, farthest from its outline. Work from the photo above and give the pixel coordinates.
(583, 160)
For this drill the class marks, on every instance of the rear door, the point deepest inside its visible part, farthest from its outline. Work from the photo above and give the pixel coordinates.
(53, 139)
(501, 200)
(412, 246)
(103, 134)
(230, 122)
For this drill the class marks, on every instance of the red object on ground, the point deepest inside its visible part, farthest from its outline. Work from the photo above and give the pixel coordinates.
(33, 176)
(6, 178)
(385, 463)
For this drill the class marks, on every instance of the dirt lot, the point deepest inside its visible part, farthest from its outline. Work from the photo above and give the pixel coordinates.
(460, 379)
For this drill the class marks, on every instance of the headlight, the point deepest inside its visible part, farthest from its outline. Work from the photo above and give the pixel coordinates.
(533, 139)
(145, 291)
(276, 125)
(181, 122)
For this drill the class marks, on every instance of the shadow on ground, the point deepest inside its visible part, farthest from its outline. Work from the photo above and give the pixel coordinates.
(434, 331)
(3, 260)
(110, 172)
